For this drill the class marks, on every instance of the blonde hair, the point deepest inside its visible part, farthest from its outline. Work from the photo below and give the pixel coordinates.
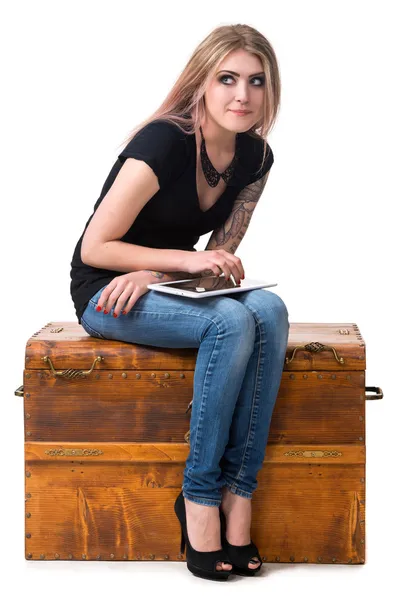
(186, 96)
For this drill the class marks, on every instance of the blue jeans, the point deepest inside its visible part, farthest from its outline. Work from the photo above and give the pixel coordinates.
(242, 340)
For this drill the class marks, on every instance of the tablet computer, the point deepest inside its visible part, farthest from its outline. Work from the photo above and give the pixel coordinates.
(203, 287)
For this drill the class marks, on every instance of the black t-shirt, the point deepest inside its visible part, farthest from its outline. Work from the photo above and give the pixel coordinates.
(172, 218)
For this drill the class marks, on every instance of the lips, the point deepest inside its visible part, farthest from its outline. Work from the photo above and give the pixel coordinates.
(242, 112)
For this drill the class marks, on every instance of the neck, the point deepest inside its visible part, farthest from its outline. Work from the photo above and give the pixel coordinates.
(217, 138)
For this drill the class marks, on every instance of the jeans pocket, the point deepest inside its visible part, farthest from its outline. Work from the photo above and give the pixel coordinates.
(90, 330)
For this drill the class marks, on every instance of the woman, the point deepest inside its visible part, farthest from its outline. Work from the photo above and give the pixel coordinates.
(197, 166)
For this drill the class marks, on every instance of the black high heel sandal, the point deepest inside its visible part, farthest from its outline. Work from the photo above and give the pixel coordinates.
(239, 555)
(201, 564)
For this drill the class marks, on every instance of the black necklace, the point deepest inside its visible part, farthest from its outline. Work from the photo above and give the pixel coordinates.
(211, 174)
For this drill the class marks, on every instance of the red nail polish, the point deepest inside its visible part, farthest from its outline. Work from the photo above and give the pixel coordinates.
(105, 312)
(115, 315)
(98, 308)
(124, 312)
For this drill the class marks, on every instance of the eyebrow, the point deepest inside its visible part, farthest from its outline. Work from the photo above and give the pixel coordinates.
(237, 74)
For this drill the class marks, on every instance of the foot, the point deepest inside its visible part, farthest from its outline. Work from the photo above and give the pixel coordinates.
(237, 511)
(203, 529)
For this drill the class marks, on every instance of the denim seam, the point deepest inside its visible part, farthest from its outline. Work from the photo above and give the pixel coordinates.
(191, 496)
(233, 486)
(252, 422)
(175, 312)
(203, 399)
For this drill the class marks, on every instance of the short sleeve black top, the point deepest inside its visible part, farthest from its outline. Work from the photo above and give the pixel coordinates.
(172, 218)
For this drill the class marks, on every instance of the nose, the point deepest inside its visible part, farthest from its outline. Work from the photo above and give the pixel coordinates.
(241, 94)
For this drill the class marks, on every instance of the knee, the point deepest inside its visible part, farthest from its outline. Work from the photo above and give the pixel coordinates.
(233, 318)
(279, 307)
(272, 310)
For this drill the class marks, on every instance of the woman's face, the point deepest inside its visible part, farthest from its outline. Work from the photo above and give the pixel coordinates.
(228, 92)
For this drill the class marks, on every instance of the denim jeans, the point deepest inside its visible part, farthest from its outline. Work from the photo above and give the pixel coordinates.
(242, 340)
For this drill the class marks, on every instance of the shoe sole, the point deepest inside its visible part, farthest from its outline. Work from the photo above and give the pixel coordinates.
(249, 573)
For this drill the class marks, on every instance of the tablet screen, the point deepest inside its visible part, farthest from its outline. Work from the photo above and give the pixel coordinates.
(204, 284)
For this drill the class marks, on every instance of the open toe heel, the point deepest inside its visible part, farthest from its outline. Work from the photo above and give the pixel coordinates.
(239, 555)
(201, 564)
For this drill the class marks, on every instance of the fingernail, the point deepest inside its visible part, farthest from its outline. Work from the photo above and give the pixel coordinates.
(105, 312)
(124, 312)
(98, 308)
(115, 315)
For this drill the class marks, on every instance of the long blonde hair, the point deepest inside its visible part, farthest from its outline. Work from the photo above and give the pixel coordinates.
(186, 96)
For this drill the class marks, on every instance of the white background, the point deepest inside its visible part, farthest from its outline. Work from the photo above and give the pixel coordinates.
(333, 227)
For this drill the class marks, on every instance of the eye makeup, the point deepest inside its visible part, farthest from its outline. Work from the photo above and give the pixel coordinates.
(261, 79)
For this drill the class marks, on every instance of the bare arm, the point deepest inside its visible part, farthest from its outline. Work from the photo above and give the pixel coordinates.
(102, 247)
(121, 256)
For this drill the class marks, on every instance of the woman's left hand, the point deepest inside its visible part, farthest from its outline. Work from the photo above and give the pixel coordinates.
(124, 291)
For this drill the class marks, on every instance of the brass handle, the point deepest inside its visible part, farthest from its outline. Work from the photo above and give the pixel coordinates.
(74, 452)
(378, 395)
(72, 373)
(315, 347)
(19, 391)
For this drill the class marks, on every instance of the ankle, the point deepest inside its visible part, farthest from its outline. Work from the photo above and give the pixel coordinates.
(232, 502)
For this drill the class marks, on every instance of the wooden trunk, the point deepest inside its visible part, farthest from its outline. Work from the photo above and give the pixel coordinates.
(106, 427)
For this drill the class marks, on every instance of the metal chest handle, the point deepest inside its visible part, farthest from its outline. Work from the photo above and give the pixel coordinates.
(67, 373)
(378, 395)
(72, 373)
(315, 347)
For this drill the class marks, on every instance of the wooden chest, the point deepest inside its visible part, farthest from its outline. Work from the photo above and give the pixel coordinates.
(106, 428)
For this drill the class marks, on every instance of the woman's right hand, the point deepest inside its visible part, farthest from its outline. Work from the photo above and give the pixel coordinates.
(215, 261)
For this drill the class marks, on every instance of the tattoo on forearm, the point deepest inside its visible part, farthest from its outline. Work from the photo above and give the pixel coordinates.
(174, 274)
(232, 232)
(155, 273)
(234, 229)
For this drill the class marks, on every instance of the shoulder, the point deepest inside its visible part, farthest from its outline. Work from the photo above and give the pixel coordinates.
(256, 156)
(163, 146)
(159, 131)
